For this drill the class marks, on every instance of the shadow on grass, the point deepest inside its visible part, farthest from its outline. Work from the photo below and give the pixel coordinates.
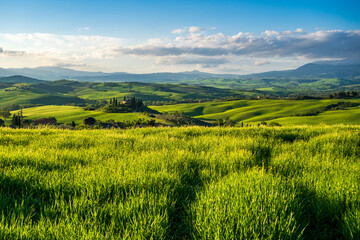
(22, 198)
(320, 217)
(184, 194)
(261, 157)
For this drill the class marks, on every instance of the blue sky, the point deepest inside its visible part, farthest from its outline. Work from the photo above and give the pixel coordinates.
(148, 36)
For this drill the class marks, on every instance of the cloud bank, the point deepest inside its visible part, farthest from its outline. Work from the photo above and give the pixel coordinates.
(188, 48)
(319, 44)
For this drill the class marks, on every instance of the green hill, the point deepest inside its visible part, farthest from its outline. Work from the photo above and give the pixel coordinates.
(285, 112)
(66, 92)
(67, 114)
(282, 111)
(19, 79)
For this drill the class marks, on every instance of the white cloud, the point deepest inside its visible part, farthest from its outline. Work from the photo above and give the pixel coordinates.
(319, 44)
(191, 29)
(60, 46)
(270, 33)
(193, 48)
(261, 62)
(299, 30)
(178, 31)
(194, 29)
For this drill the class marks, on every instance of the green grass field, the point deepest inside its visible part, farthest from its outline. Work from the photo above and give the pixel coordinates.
(281, 111)
(67, 114)
(63, 92)
(247, 111)
(180, 183)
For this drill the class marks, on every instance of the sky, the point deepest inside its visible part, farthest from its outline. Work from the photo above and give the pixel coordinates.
(135, 36)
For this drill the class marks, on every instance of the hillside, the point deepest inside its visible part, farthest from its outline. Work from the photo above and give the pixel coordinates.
(67, 92)
(286, 112)
(67, 114)
(19, 79)
(316, 70)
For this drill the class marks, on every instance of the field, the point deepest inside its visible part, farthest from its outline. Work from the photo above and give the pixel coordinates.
(284, 112)
(67, 114)
(281, 111)
(180, 183)
(63, 92)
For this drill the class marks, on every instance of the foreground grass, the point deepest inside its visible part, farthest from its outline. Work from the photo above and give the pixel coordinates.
(180, 183)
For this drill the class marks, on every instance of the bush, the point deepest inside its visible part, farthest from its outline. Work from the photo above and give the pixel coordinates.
(89, 121)
(274, 124)
(2, 122)
(45, 121)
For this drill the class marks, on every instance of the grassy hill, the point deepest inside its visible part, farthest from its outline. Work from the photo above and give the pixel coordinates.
(19, 79)
(285, 112)
(64, 92)
(21, 97)
(350, 116)
(67, 114)
(281, 111)
(180, 183)
(283, 86)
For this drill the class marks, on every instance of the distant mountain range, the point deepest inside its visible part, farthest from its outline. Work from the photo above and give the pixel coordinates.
(316, 70)
(311, 70)
(19, 79)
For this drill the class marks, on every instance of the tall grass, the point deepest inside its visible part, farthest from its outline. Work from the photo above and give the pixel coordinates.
(180, 183)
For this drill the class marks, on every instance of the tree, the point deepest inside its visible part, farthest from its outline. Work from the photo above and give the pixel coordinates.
(26, 122)
(220, 122)
(89, 121)
(16, 120)
(2, 122)
(5, 113)
(229, 122)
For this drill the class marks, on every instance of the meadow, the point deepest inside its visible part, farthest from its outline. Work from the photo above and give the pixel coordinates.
(284, 112)
(67, 114)
(64, 92)
(181, 183)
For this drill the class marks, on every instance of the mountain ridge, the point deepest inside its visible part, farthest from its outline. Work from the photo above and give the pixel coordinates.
(310, 70)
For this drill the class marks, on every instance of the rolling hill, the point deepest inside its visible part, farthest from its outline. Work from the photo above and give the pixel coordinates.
(285, 112)
(67, 114)
(19, 79)
(64, 92)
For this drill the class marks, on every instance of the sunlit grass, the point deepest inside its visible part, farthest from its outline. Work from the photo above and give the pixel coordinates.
(180, 183)
(67, 114)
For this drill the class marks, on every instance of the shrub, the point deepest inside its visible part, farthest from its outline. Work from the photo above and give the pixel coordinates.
(45, 121)
(89, 121)
(274, 124)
